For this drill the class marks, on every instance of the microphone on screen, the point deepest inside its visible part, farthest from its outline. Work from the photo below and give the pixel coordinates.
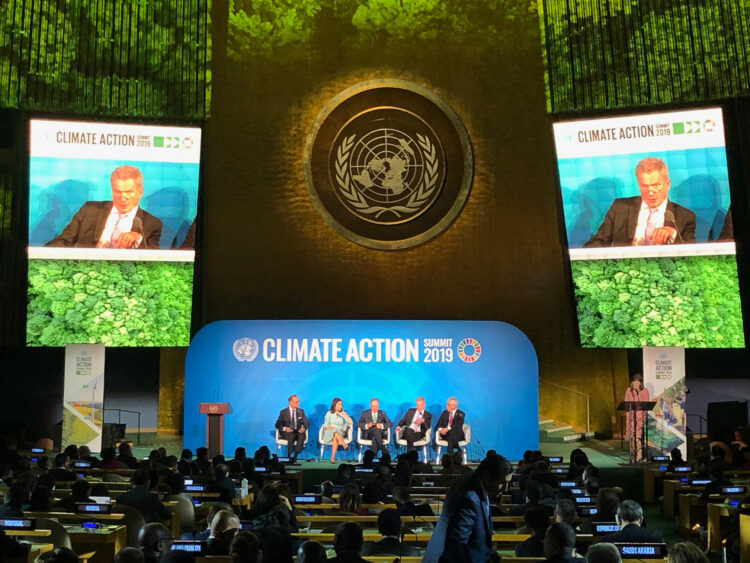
(669, 221)
(138, 227)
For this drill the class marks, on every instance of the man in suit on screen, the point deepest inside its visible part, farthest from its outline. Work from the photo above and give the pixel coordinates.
(414, 423)
(292, 425)
(119, 223)
(647, 219)
(374, 425)
(450, 425)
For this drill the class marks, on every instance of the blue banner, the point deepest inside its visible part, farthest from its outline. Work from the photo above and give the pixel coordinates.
(490, 367)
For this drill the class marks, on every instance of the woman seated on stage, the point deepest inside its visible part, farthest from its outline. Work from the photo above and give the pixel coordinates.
(335, 425)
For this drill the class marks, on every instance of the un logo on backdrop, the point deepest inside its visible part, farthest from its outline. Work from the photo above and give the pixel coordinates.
(245, 349)
(388, 164)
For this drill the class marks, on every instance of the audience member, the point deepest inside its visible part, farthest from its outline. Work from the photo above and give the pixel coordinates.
(603, 552)
(126, 456)
(185, 465)
(565, 511)
(537, 522)
(347, 543)
(630, 518)
(224, 526)
(129, 555)
(607, 502)
(109, 460)
(389, 526)
(41, 498)
(350, 502)
(61, 471)
(311, 552)
(84, 454)
(559, 542)
(326, 491)
(79, 492)
(155, 541)
(718, 481)
(676, 460)
(143, 500)
(686, 552)
(223, 484)
(203, 535)
(15, 500)
(245, 548)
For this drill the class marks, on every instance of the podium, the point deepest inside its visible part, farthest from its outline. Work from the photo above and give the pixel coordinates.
(635, 407)
(214, 426)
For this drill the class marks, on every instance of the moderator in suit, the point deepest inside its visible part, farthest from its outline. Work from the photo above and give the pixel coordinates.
(292, 425)
(406, 423)
(621, 220)
(86, 227)
(464, 529)
(368, 424)
(456, 424)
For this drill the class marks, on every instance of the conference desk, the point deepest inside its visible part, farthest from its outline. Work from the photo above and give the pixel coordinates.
(718, 515)
(412, 538)
(27, 533)
(106, 541)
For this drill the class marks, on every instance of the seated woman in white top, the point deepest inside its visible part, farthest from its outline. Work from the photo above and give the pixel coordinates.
(335, 425)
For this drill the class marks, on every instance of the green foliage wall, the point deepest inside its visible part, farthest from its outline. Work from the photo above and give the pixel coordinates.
(136, 58)
(604, 54)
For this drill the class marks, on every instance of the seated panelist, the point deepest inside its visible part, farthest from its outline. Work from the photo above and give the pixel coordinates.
(450, 425)
(415, 423)
(292, 425)
(374, 425)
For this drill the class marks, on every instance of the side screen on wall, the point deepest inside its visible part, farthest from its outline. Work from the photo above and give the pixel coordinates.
(648, 219)
(112, 211)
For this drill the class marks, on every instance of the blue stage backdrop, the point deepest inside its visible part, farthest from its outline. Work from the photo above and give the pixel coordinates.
(491, 367)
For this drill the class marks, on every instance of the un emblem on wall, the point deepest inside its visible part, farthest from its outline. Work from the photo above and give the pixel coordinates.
(245, 349)
(388, 164)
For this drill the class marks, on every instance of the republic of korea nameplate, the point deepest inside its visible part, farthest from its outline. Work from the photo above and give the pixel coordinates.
(388, 164)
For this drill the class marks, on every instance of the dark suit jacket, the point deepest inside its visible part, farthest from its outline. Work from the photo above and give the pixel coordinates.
(633, 533)
(216, 546)
(458, 422)
(621, 220)
(464, 529)
(407, 418)
(532, 547)
(145, 502)
(389, 546)
(86, 226)
(367, 417)
(285, 419)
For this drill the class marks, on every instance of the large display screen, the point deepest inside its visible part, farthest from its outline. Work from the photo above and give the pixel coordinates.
(112, 211)
(648, 219)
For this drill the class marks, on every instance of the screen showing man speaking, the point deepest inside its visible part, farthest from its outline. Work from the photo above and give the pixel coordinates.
(112, 213)
(648, 219)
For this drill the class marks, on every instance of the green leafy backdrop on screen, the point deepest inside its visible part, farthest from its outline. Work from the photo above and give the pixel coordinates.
(113, 303)
(629, 303)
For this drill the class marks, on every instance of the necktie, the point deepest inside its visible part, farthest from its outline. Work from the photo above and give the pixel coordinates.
(294, 419)
(417, 420)
(374, 417)
(650, 224)
(116, 232)
(450, 419)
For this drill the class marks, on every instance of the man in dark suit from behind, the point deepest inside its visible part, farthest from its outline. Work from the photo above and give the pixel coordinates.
(374, 425)
(450, 425)
(389, 526)
(223, 484)
(119, 223)
(292, 425)
(347, 542)
(415, 423)
(143, 500)
(559, 542)
(61, 471)
(630, 518)
(537, 521)
(649, 218)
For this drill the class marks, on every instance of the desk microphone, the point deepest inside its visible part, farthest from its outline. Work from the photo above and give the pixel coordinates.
(669, 221)
(138, 227)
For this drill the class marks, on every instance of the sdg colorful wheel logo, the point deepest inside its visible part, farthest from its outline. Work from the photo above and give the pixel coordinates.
(469, 350)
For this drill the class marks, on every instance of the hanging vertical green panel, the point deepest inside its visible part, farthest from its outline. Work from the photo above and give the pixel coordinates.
(135, 58)
(603, 54)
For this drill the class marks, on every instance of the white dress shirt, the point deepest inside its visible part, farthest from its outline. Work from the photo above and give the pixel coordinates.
(125, 225)
(657, 221)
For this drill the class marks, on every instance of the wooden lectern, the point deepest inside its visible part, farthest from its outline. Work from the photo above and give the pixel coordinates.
(214, 426)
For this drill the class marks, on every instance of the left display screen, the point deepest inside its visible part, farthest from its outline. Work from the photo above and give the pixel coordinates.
(112, 219)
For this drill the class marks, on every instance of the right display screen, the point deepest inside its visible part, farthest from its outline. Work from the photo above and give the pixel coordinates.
(648, 219)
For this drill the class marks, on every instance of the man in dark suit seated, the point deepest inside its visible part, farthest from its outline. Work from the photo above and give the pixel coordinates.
(292, 425)
(415, 423)
(61, 471)
(389, 526)
(450, 425)
(464, 529)
(537, 522)
(647, 219)
(223, 484)
(347, 542)
(630, 518)
(559, 542)
(143, 500)
(119, 223)
(155, 541)
(374, 425)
